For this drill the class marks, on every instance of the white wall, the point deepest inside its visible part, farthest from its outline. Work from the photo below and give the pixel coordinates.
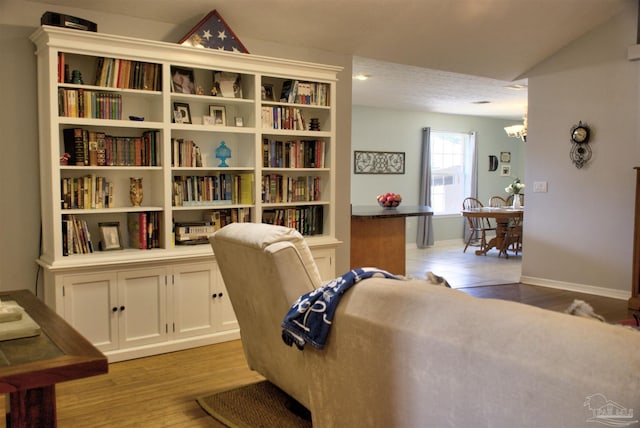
(20, 221)
(579, 234)
(401, 131)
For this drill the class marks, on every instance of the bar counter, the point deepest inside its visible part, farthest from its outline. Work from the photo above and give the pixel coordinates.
(378, 236)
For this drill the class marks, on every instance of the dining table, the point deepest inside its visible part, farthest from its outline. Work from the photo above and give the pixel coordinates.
(502, 216)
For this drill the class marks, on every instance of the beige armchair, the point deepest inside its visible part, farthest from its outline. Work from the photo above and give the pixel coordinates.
(410, 354)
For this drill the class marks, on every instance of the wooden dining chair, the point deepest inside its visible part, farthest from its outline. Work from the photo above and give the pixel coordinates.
(497, 202)
(510, 199)
(512, 238)
(478, 226)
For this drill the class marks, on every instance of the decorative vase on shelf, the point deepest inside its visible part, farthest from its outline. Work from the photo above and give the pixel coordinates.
(135, 191)
(516, 201)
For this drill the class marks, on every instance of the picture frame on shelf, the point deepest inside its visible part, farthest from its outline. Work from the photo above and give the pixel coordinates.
(267, 93)
(239, 121)
(226, 84)
(505, 170)
(505, 157)
(181, 113)
(110, 236)
(219, 115)
(182, 80)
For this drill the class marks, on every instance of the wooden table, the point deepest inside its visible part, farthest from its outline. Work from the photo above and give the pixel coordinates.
(30, 367)
(501, 216)
(378, 236)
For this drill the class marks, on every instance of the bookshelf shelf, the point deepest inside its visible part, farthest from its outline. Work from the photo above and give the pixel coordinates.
(90, 86)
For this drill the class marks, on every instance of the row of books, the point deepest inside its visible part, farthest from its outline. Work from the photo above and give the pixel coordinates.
(185, 153)
(127, 74)
(278, 188)
(192, 233)
(293, 154)
(96, 148)
(223, 188)
(306, 220)
(283, 118)
(144, 230)
(87, 192)
(76, 238)
(300, 92)
(89, 104)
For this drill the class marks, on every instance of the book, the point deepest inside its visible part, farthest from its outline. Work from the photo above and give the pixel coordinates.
(74, 145)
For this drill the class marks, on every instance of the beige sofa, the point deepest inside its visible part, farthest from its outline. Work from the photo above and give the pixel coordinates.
(410, 354)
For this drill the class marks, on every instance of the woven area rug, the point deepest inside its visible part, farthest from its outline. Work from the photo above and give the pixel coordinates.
(255, 405)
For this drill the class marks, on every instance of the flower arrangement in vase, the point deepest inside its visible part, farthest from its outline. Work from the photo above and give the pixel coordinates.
(515, 188)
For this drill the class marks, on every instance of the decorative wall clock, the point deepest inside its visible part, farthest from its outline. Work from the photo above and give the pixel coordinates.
(580, 135)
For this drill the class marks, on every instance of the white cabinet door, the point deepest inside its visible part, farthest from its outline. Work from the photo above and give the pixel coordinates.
(225, 317)
(324, 260)
(193, 296)
(200, 302)
(142, 306)
(91, 307)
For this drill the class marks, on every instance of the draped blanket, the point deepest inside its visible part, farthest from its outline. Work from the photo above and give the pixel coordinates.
(311, 316)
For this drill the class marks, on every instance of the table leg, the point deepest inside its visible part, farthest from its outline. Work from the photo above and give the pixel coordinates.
(33, 408)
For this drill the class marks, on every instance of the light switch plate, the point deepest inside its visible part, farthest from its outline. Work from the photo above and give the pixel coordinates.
(539, 187)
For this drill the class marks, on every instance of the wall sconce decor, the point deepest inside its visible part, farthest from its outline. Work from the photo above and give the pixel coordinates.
(580, 150)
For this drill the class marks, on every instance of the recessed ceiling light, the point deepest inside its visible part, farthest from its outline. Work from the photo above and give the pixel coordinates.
(481, 102)
(516, 87)
(361, 76)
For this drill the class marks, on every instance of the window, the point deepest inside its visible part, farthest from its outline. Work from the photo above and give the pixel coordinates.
(451, 169)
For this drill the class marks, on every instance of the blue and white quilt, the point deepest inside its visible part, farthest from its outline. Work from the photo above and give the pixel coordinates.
(311, 316)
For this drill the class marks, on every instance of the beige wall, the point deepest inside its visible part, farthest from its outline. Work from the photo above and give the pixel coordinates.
(579, 234)
(20, 213)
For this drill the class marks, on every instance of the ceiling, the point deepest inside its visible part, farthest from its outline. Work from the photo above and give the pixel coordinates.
(429, 55)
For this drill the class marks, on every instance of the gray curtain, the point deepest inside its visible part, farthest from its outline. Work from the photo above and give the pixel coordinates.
(473, 191)
(425, 224)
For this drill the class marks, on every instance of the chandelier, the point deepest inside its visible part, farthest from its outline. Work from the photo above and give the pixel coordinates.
(518, 131)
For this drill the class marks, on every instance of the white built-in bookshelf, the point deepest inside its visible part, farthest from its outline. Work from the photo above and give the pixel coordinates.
(141, 279)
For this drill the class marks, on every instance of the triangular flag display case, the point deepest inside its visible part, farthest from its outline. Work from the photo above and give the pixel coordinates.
(213, 32)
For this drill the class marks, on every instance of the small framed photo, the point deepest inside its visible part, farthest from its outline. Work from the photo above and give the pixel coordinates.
(182, 80)
(219, 115)
(505, 170)
(267, 93)
(505, 157)
(181, 113)
(239, 121)
(110, 236)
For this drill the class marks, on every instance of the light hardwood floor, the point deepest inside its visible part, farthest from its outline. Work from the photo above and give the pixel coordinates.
(160, 391)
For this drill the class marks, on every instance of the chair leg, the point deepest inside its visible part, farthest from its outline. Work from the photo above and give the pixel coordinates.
(471, 235)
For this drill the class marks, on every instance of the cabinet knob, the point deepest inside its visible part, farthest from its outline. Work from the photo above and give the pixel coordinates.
(114, 309)
(220, 294)
(121, 308)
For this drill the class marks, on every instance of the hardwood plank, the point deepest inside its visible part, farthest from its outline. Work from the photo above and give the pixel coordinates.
(154, 391)
(553, 299)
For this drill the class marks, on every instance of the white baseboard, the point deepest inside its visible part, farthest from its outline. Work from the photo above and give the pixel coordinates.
(580, 288)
